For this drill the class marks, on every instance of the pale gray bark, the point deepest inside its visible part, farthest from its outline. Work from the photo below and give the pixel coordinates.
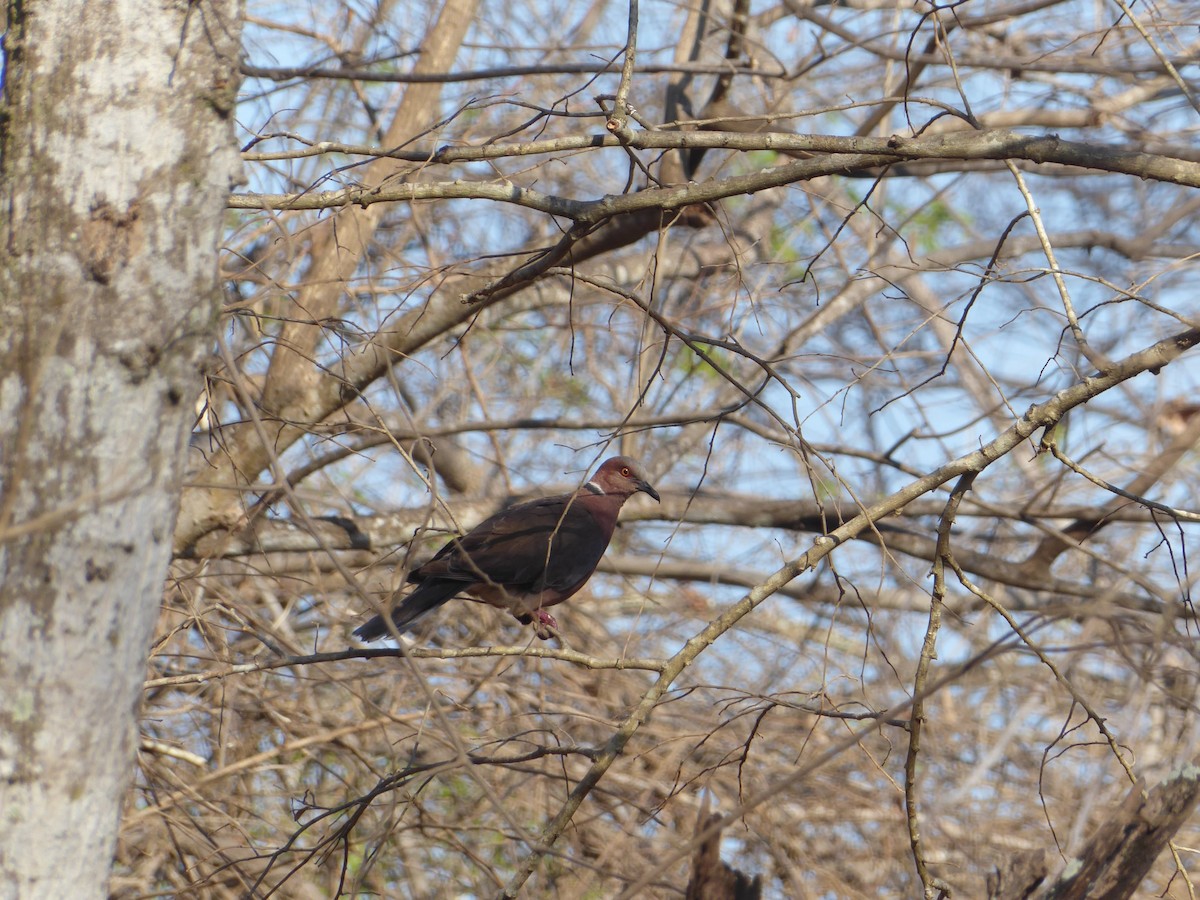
(117, 158)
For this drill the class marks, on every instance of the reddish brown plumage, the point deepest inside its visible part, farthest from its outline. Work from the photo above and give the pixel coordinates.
(527, 557)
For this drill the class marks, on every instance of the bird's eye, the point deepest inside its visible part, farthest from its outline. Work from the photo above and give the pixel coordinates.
(625, 472)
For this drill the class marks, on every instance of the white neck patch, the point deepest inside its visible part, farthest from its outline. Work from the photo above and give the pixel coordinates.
(593, 488)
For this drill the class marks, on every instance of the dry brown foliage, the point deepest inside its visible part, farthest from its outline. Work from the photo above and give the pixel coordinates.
(905, 349)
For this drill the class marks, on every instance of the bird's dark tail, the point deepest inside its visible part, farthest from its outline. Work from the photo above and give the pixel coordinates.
(429, 595)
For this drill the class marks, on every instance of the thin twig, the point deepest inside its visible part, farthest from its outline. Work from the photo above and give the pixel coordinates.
(1035, 214)
(618, 122)
(932, 885)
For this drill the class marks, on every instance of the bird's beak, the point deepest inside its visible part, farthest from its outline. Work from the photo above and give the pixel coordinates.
(644, 487)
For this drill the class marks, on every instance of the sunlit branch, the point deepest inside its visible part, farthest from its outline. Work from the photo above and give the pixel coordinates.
(840, 156)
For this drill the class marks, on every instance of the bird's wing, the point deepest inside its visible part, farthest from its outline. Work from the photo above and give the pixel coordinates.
(512, 548)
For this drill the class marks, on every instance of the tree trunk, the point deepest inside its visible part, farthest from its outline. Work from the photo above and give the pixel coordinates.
(118, 157)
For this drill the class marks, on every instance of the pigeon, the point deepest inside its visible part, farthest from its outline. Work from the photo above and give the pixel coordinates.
(524, 558)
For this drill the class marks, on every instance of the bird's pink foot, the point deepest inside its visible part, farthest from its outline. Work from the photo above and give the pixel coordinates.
(545, 625)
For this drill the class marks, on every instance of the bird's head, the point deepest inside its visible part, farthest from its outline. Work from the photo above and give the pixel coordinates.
(622, 477)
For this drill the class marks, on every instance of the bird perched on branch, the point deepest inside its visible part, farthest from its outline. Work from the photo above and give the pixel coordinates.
(527, 557)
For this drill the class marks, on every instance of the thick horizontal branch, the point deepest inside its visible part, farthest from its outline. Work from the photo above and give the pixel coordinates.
(1069, 597)
(998, 144)
(384, 533)
(837, 155)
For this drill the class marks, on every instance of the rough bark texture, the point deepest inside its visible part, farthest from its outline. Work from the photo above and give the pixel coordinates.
(1116, 858)
(713, 879)
(117, 160)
